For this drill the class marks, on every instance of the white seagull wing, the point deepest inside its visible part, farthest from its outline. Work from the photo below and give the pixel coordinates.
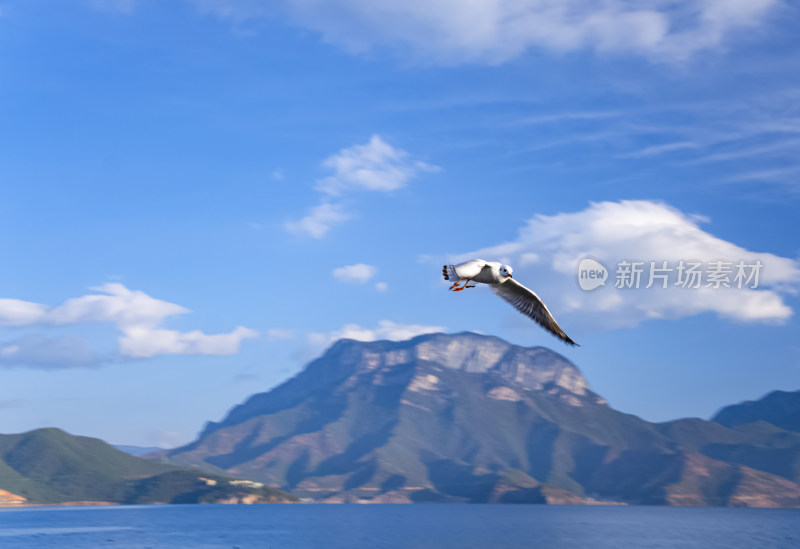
(529, 304)
(469, 269)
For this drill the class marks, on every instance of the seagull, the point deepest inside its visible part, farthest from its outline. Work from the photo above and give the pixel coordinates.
(499, 278)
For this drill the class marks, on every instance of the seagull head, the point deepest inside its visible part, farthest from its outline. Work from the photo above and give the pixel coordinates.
(505, 271)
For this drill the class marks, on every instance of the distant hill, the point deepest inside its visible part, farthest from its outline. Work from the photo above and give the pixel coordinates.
(780, 408)
(51, 466)
(471, 418)
(137, 450)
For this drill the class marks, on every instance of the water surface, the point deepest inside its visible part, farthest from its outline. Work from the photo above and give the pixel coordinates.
(399, 526)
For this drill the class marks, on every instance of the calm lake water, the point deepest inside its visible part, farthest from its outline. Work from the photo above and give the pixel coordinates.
(399, 526)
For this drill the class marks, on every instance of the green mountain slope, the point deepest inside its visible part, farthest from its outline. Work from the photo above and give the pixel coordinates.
(472, 418)
(51, 466)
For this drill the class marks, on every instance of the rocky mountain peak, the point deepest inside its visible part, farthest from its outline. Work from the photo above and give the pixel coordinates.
(351, 361)
(534, 368)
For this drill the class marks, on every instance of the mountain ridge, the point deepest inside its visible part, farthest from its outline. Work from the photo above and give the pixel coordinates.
(779, 408)
(50, 466)
(467, 417)
(317, 374)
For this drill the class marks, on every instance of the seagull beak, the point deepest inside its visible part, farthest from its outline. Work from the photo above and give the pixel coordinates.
(509, 275)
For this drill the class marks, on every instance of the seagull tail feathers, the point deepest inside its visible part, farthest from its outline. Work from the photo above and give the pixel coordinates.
(448, 272)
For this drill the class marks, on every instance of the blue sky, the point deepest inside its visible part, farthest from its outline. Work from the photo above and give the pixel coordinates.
(199, 195)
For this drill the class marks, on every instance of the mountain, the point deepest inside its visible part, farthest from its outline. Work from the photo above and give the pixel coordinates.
(51, 466)
(780, 408)
(137, 450)
(471, 418)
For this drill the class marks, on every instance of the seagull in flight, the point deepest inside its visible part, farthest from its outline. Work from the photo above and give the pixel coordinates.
(499, 278)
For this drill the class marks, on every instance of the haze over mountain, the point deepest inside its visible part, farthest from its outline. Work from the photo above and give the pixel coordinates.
(472, 418)
(137, 450)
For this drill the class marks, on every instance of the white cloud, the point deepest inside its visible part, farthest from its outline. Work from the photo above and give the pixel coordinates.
(656, 150)
(776, 147)
(15, 312)
(548, 249)
(381, 286)
(778, 175)
(145, 342)
(386, 330)
(568, 117)
(494, 31)
(38, 351)
(136, 315)
(735, 134)
(376, 166)
(358, 273)
(319, 221)
(121, 306)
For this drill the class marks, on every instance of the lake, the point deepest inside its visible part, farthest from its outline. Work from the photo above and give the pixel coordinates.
(399, 526)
